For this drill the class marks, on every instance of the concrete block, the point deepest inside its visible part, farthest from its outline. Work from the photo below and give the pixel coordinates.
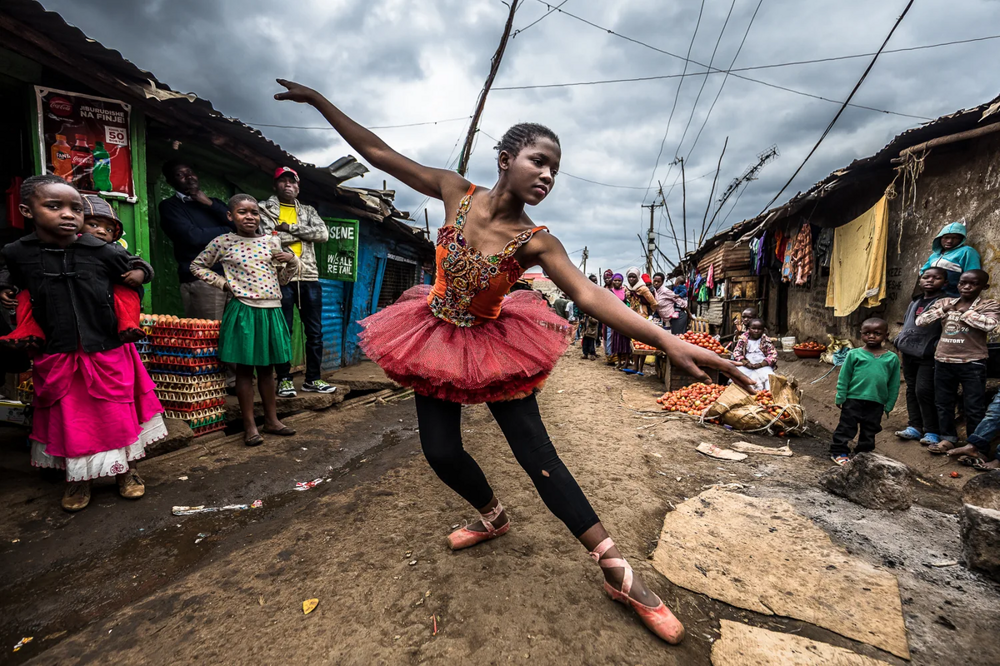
(981, 539)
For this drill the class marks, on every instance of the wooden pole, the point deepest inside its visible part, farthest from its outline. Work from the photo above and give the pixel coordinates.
(463, 161)
(427, 224)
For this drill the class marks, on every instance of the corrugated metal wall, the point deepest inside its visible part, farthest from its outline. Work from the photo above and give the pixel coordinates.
(333, 323)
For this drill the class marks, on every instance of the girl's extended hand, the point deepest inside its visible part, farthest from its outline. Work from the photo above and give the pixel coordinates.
(296, 92)
(688, 357)
(283, 257)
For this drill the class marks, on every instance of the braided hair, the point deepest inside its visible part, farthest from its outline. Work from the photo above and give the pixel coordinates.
(32, 183)
(521, 135)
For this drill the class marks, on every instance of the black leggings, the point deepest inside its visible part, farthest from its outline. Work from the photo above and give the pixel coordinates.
(440, 425)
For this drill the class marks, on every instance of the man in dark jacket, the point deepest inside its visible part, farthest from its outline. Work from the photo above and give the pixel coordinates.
(191, 219)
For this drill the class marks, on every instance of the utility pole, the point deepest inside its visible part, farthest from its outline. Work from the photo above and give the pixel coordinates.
(463, 161)
(684, 204)
(651, 236)
(586, 254)
(427, 224)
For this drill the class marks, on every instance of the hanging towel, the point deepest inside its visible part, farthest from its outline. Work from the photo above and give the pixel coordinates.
(710, 280)
(786, 263)
(857, 265)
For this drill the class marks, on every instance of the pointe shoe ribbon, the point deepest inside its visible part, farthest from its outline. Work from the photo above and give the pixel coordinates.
(657, 619)
(464, 537)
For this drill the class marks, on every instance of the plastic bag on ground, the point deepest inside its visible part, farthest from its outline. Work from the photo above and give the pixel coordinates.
(739, 409)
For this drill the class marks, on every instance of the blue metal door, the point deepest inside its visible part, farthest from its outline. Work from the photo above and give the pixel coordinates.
(364, 295)
(334, 312)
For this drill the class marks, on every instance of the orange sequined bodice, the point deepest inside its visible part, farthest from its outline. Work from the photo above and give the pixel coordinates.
(470, 287)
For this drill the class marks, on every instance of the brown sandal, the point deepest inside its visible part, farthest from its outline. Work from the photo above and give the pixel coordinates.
(283, 431)
(942, 447)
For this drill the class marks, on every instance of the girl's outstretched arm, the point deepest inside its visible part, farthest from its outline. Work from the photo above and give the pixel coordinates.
(432, 182)
(601, 303)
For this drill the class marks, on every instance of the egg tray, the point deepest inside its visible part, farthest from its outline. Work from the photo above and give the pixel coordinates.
(192, 406)
(143, 346)
(211, 427)
(184, 334)
(184, 370)
(186, 352)
(204, 415)
(189, 396)
(216, 380)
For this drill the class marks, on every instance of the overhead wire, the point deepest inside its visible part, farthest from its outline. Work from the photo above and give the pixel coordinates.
(844, 106)
(725, 78)
(673, 108)
(711, 61)
(372, 127)
(520, 30)
(748, 68)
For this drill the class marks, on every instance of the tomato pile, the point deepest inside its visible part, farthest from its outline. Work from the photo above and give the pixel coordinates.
(693, 399)
(766, 400)
(810, 346)
(703, 340)
(639, 346)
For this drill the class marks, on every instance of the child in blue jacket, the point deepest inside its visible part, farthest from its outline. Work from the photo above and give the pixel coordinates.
(953, 254)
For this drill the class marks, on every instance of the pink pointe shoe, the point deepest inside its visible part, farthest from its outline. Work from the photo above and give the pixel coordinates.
(465, 538)
(657, 619)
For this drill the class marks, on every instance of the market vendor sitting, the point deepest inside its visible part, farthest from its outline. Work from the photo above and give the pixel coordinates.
(755, 355)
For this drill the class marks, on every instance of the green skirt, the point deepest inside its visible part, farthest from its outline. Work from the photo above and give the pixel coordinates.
(254, 336)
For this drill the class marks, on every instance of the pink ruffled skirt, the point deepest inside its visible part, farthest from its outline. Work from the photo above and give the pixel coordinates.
(501, 359)
(93, 413)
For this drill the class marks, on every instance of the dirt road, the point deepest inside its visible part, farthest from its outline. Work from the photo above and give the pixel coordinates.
(128, 584)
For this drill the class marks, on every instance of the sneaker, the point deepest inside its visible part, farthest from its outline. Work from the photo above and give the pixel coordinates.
(909, 433)
(77, 496)
(930, 438)
(131, 485)
(286, 389)
(841, 459)
(318, 386)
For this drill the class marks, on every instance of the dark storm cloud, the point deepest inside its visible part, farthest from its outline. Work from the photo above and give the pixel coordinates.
(397, 61)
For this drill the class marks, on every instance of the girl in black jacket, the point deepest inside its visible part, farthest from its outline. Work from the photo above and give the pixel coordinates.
(94, 410)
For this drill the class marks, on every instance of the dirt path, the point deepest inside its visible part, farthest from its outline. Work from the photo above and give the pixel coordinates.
(532, 596)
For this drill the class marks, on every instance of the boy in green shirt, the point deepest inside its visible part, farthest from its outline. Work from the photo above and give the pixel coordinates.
(867, 386)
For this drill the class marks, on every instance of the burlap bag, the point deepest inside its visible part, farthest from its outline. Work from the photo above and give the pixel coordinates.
(737, 408)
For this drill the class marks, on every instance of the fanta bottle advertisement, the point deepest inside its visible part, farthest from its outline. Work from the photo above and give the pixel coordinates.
(85, 140)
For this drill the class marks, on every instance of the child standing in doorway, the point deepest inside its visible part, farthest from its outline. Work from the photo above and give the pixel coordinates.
(95, 409)
(868, 386)
(960, 358)
(916, 345)
(253, 334)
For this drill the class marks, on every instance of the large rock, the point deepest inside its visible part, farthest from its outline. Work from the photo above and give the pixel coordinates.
(179, 435)
(983, 490)
(873, 481)
(981, 539)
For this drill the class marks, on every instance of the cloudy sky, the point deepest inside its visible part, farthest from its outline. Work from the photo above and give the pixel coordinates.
(397, 62)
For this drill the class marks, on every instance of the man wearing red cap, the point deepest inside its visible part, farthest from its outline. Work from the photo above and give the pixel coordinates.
(299, 226)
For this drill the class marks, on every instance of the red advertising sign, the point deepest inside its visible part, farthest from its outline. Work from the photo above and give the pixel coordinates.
(85, 140)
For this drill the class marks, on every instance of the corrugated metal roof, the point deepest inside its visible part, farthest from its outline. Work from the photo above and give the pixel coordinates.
(193, 110)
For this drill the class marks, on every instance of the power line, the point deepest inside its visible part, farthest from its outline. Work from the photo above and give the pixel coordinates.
(520, 30)
(843, 107)
(697, 99)
(724, 79)
(373, 127)
(673, 108)
(749, 68)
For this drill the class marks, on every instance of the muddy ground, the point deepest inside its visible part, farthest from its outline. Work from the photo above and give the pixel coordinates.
(126, 582)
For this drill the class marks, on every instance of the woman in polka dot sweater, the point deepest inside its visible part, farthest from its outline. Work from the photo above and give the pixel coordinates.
(254, 334)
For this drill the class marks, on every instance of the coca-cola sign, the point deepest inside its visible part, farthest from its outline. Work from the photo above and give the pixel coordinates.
(60, 106)
(85, 140)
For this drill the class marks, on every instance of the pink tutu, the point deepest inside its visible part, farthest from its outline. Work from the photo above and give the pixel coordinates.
(500, 359)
